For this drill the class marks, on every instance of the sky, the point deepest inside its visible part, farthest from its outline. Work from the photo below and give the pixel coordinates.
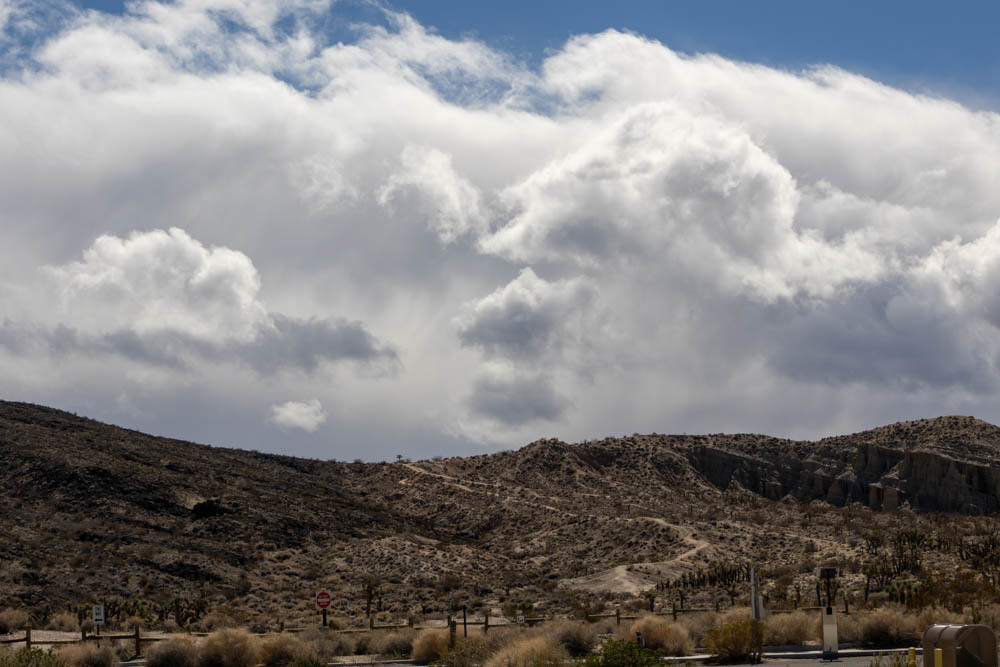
(359, 230)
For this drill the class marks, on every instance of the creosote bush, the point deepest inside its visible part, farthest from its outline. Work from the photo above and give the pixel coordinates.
(230, 648)
(622, 653)
(176, 652)
(470, 651)
(89, 654)
(660, 633)
(430, 645)
(529, 652)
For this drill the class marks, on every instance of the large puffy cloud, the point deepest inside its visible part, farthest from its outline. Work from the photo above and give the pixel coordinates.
(163, 298)
(626, 238)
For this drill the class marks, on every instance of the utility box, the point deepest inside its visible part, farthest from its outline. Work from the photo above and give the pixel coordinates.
(961, 646)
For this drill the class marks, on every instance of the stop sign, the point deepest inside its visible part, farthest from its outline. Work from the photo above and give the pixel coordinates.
(323, 600)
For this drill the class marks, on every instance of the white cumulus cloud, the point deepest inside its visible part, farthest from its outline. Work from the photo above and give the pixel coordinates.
(305, 415)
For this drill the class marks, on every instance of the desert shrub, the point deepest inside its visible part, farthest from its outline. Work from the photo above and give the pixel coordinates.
(393, 643)
(848, 628)
(578, 638)
(886, 627)
(217, 621)
(363, 643)
(659, 633)
(621, 653)
(933, 615)
(176, 652)
(734, 640)
(698, 624)
(988, 616)
(468, 652)
(230, 648)
(29, 658)
(279, 650)
(89, 654)
(64, 622)
(430, 645)
(795, 628)
(528, 652)
(12, 620)
(306, 661)
(325, 644)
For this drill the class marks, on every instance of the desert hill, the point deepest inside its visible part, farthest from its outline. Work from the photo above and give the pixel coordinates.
(89, 510)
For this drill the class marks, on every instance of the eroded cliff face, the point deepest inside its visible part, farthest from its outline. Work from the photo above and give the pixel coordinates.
(947, 464)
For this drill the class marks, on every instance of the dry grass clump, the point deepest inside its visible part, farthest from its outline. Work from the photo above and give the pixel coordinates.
(732, 641)
(887, 627)
(217, 621)
(470, 651)
(12, 620)
(394, 643)
(529, 652)
(848, 627)
(325, 644)
(280, 650)
(660, 633)
(795, 628)
(89, 654)
(988, 616)
(230, 648)
(175, 652)
(934, 615)
(576, 637)
(430, 645)
(64, 622)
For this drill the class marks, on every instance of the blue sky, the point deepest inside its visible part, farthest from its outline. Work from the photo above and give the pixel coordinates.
(948, 50)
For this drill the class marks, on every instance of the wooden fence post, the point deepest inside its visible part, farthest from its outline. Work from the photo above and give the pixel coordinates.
(452, 626)
(673, 610)
(618, 616)
(27, 638)
(138, 641)
(465, 622)
(486, 621)
(371, 622)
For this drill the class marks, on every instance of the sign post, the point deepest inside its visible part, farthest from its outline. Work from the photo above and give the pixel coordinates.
(97, 616)
(323, 601)
(830, 643)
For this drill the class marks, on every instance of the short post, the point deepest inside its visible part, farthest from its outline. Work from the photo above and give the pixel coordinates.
(83, 634)
(486, 621)
(673, 610)
(911, 657)
(465, 622)
(371, 622)
(938, 657)
(27, 638)
(138, 641)
(618, 616)
(452, 626)
(324, 618)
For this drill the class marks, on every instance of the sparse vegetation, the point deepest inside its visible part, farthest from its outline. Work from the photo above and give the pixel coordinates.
(174, 652)
(230, 648)
(430, 645)
(528, 652)
(89, 654)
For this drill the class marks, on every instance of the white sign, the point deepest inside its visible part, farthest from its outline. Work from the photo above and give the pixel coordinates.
(97, 614)
(520, 619)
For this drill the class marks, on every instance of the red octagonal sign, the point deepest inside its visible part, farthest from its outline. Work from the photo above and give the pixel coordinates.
(323, 600)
